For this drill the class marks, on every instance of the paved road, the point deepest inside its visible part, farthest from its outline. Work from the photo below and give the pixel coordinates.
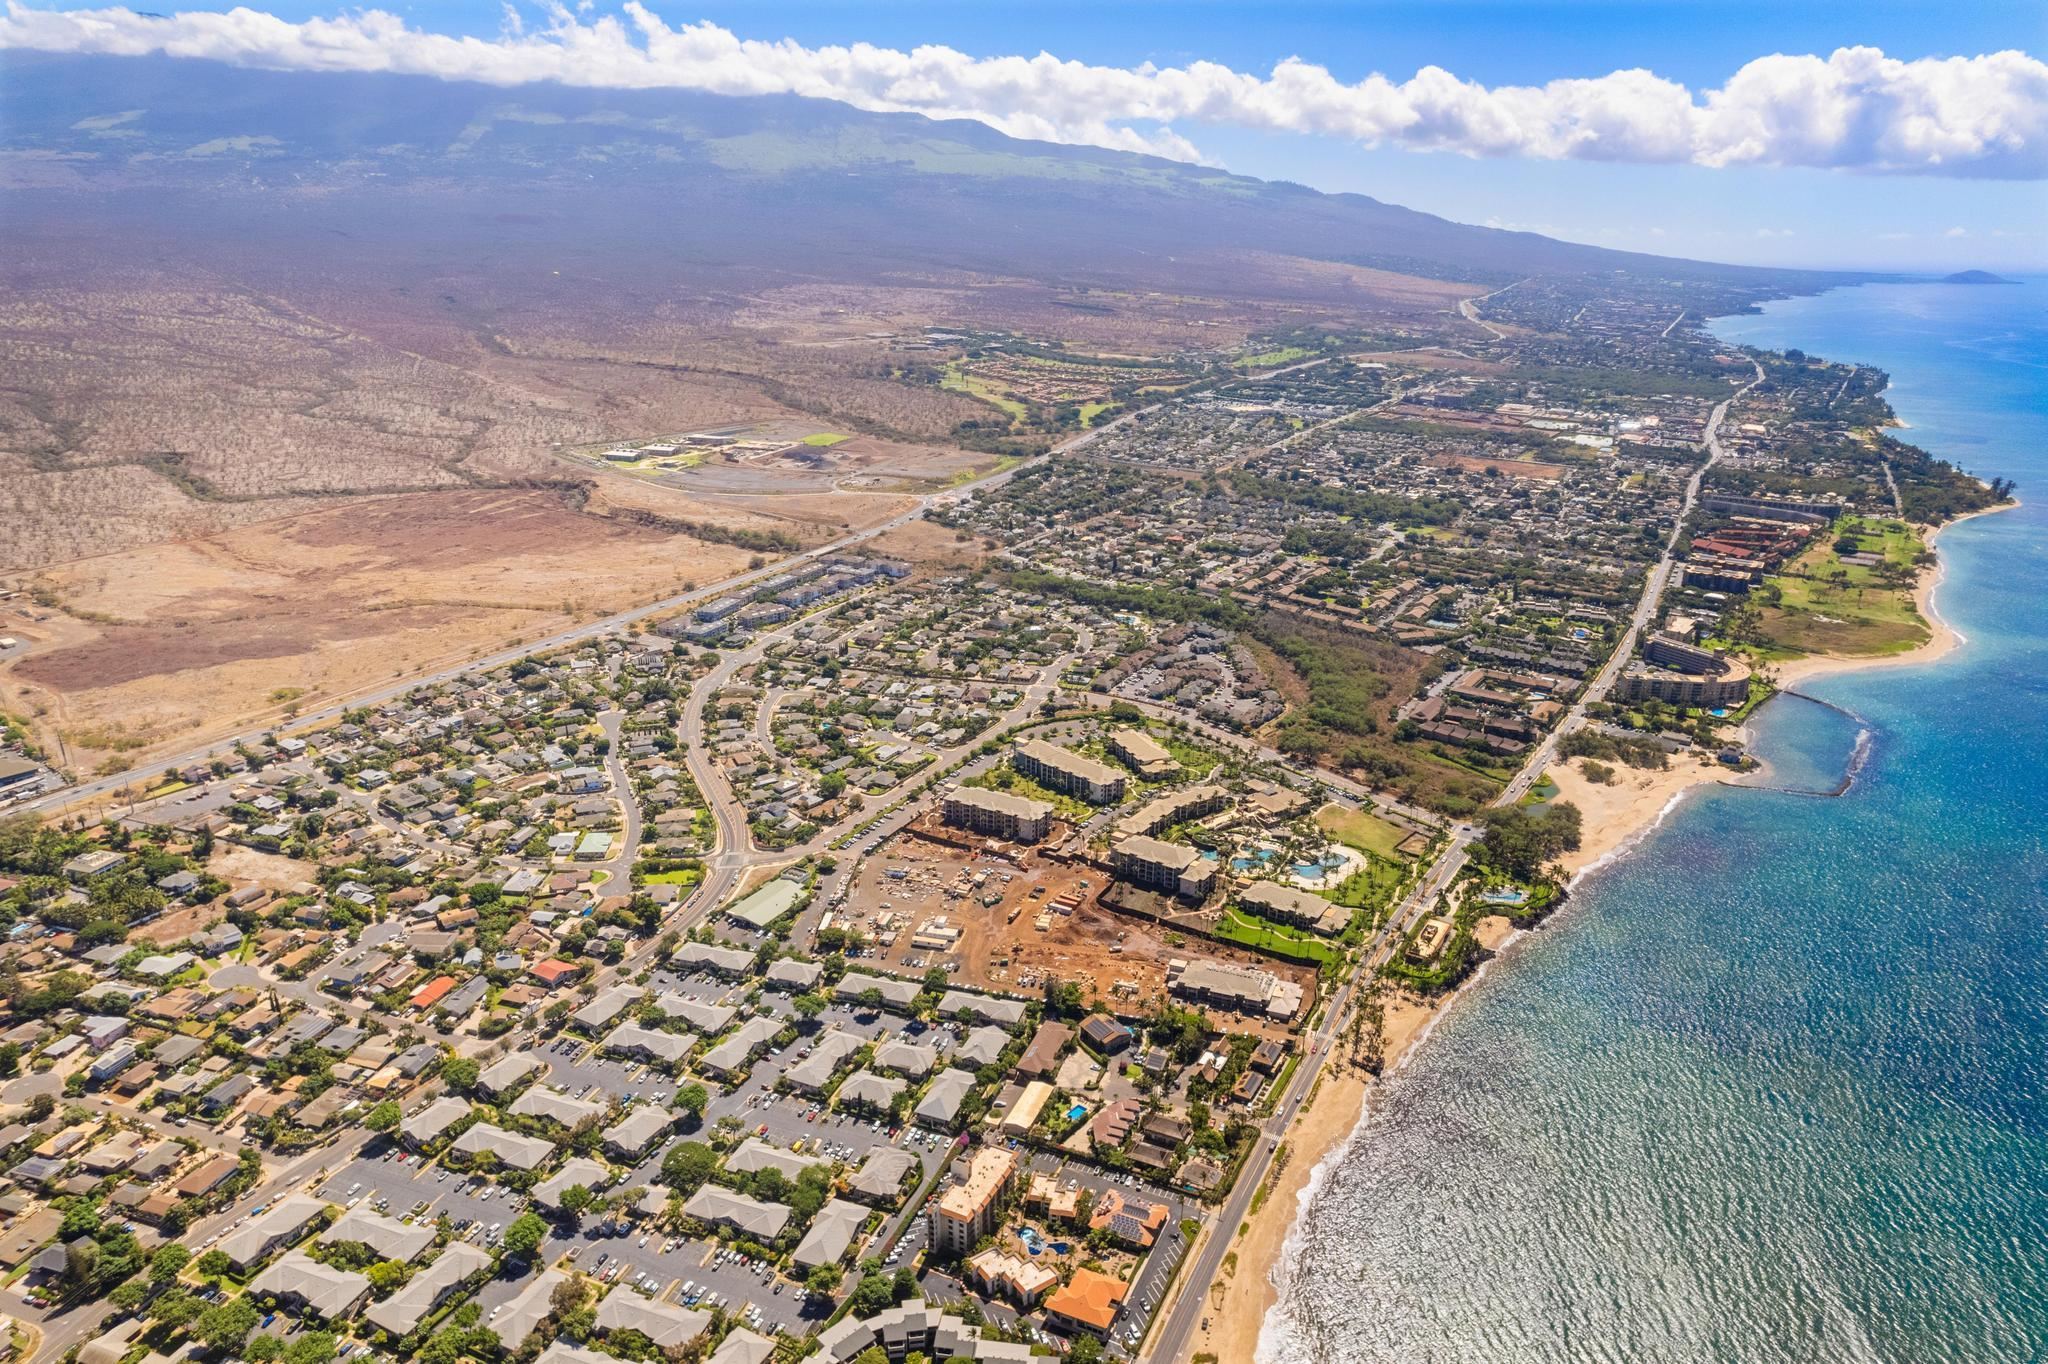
(1177, 1333)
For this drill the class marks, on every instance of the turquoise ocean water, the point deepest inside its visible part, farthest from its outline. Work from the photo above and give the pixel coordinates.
(1772, 1087)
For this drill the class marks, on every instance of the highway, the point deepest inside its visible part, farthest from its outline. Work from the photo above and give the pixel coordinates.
(1174, 1337)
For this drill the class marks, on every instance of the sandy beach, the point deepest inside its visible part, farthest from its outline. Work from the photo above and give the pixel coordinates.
(1239, 1301)
(1615, 815)
(1943, 638)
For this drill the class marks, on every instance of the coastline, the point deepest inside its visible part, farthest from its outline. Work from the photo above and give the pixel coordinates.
(1616, 817)
(1943, 638)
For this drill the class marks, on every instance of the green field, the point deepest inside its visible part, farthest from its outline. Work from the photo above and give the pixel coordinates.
(1274, 939)
(1357, 829)
(825, 438)
(1825, 605)
(688, 876)
(958, 380)
(1090, 411)
(1271, 359)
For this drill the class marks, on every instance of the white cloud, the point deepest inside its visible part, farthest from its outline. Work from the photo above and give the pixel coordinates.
(1957, 232)
(1855, 108)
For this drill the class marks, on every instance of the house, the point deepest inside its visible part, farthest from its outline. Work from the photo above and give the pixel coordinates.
(631, 1136)
(405, 1309)
(207, 1177)
(940, 1104)
(831, 1234)
(722, 1207)
(509, 1148)
(879, 1180)
(1089, 1302)
(278, 1226)
(588, 1174)
(425, 1126)
(1105, 1034)
(389, 1237)
(517, 1319)
(668, 1327)
(553, 973)
(1041, 1058)
(502, 1076)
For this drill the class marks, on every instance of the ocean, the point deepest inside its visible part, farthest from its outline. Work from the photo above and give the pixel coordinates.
(1774, 1086)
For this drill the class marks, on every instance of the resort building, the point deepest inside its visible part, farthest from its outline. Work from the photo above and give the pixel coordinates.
(915, 1328)
(1063, 770)
(967, 1212)
(1175, 807)
(1143, 754)
(998, 814)
(1089, 1302)
(1241, 989)
(1171, 868)
(1287, 905)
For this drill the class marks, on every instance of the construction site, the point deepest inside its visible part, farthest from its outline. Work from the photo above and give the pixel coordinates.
(1007, 918)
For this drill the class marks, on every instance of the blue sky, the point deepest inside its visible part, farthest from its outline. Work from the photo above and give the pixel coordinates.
(1745, 212)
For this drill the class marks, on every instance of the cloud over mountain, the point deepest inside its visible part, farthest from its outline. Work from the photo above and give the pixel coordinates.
(1855, 109)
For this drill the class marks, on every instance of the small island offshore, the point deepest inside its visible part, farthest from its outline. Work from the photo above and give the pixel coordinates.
(1976, 277)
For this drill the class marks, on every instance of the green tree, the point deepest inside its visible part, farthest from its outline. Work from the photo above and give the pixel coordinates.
(576, 1200)
(459, 1073)
(383, 1118)
(823, 1279)
(215, 1263)
(165, 1265)
(525, 1234)
(691, 1100)
(688, 1165)
(226, 1326)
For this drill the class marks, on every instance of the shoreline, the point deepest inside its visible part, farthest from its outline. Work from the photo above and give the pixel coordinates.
(1943, 638)
(1617, 817)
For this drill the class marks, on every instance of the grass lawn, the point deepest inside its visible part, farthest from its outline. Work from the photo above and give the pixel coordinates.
(1286, 355)
(1828, 606)
(1357, 829)
(1273, 939)
(1072, 810)
(1090, 411)
(958, 380)
(825, 438)
(686, 876)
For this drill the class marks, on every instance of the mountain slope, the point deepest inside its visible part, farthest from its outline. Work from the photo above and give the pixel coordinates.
(771, 180)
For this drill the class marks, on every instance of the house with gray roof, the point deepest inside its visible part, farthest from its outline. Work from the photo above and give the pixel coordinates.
(787, 973)
(753, 1155)
(389, 1237)
(599, 1012)
(633, 1134)
(1007, 1013)
(552, 1105)
(831, 1234)
(982, 1047)
(865, 1089)
(896, 993)
(879, 1180)
(667, 1326)
(906, 1058)
(725, 961)
(517, 1319)
(520, 1153)
(737, 1049)
(647, 1044)
(427, 1125)
(299, 1280)
(503, 1076)
(428, 1289)
(814, 1072)
(279, 1225)
(722, 1207)
(580, 1170)
(939, 1105)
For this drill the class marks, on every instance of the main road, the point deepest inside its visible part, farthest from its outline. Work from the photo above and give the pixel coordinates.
(1175, 1335)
